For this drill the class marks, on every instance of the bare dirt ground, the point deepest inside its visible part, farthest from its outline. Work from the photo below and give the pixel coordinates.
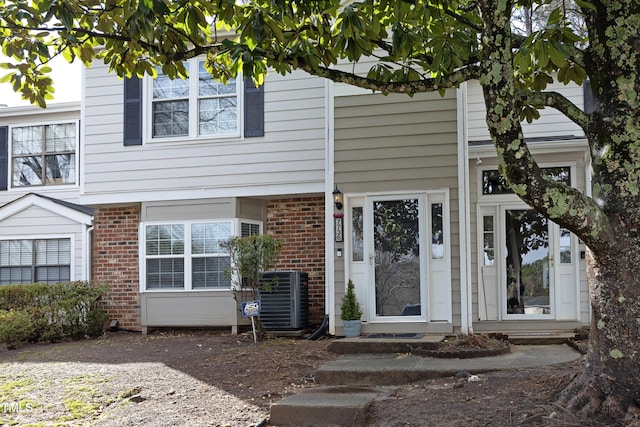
(209, 378)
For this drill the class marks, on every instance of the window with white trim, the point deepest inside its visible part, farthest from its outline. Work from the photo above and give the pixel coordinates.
(198, 106)
(187, 255)
(35, 261)
(43, 154)
(494, 183)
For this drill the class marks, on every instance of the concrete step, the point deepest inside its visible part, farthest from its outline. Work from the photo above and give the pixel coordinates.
(539, 337)
(353, 382)
(394, 369)
(386, 343)
(325, 406)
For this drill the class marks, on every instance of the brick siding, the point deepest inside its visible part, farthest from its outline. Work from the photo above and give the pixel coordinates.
(300, 223)
(115, 262)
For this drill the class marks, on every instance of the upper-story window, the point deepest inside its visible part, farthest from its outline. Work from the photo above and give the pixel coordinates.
(195, 107)
(43, 154)
(494, 183)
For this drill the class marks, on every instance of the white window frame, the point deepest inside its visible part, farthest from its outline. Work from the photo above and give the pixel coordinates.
(72, 249)
(187, 256)
(193, 98)
(506, 198)
(28, 188)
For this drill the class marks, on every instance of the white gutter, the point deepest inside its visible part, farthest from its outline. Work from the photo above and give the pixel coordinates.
(466, 298)
(329, 298)
(86, 262)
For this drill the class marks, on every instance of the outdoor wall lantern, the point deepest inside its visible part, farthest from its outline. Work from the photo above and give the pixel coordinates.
(337, 198)
(338, 217)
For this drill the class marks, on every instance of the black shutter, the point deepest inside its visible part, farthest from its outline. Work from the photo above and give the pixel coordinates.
(590, 98)
(253, 109)
(4, 157)
(133, 111)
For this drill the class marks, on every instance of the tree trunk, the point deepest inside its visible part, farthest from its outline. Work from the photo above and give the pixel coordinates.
(609, 223)
(609, 384)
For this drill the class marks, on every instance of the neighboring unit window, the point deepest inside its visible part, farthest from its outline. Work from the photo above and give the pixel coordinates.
(197, 106)
(357, 234)
(43, 155)
(174, 250)
(31, 261)
(437, 232)
(488, 240)
(494, 183)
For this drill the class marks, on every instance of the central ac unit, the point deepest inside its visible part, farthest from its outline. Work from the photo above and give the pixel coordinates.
(286, 306)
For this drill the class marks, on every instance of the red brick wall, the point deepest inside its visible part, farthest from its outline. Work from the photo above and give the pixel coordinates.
(299, 222)
(115, 262)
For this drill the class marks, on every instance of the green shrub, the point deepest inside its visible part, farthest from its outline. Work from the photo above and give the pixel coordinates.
(15, 327)
(54, 311)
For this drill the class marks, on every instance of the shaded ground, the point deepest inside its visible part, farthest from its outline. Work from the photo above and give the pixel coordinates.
(212, 378)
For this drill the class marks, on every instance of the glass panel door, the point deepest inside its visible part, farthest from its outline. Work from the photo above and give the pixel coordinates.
(397, 272)
(528, 263)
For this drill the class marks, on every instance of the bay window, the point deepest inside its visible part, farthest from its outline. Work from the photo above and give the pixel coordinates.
(187, 255)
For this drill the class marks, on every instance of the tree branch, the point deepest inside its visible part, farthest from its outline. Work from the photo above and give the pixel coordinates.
(411, 87)
(557, 101)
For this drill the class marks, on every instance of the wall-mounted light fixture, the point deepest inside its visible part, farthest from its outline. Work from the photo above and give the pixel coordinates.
(337, 198)
(338, 216)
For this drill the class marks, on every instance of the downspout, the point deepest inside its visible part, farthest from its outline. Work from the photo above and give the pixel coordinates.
(88, 244)
(329, 298)
(466, 296)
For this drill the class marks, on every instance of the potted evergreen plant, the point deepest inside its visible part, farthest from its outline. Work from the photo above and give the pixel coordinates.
(350, 312)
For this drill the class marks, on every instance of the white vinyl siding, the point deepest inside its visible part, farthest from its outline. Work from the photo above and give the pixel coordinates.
(288, 159)
(551, 123)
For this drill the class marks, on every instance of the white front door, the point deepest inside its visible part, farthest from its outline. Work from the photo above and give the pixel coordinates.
(398, 256)
(528, 267)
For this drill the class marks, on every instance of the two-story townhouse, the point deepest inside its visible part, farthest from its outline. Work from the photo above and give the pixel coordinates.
(434, 241)
(44, 232)
(173, 167)
(160, 171)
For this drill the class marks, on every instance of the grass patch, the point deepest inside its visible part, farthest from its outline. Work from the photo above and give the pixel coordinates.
(80, 409)
(12, 390)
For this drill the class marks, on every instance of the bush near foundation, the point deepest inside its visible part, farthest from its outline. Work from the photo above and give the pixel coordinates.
(50, 312)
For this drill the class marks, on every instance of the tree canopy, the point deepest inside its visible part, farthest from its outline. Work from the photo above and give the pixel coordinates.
(414, 46)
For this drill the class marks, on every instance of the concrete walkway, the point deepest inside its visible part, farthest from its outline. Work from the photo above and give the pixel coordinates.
(350, 381)
(389, 369)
